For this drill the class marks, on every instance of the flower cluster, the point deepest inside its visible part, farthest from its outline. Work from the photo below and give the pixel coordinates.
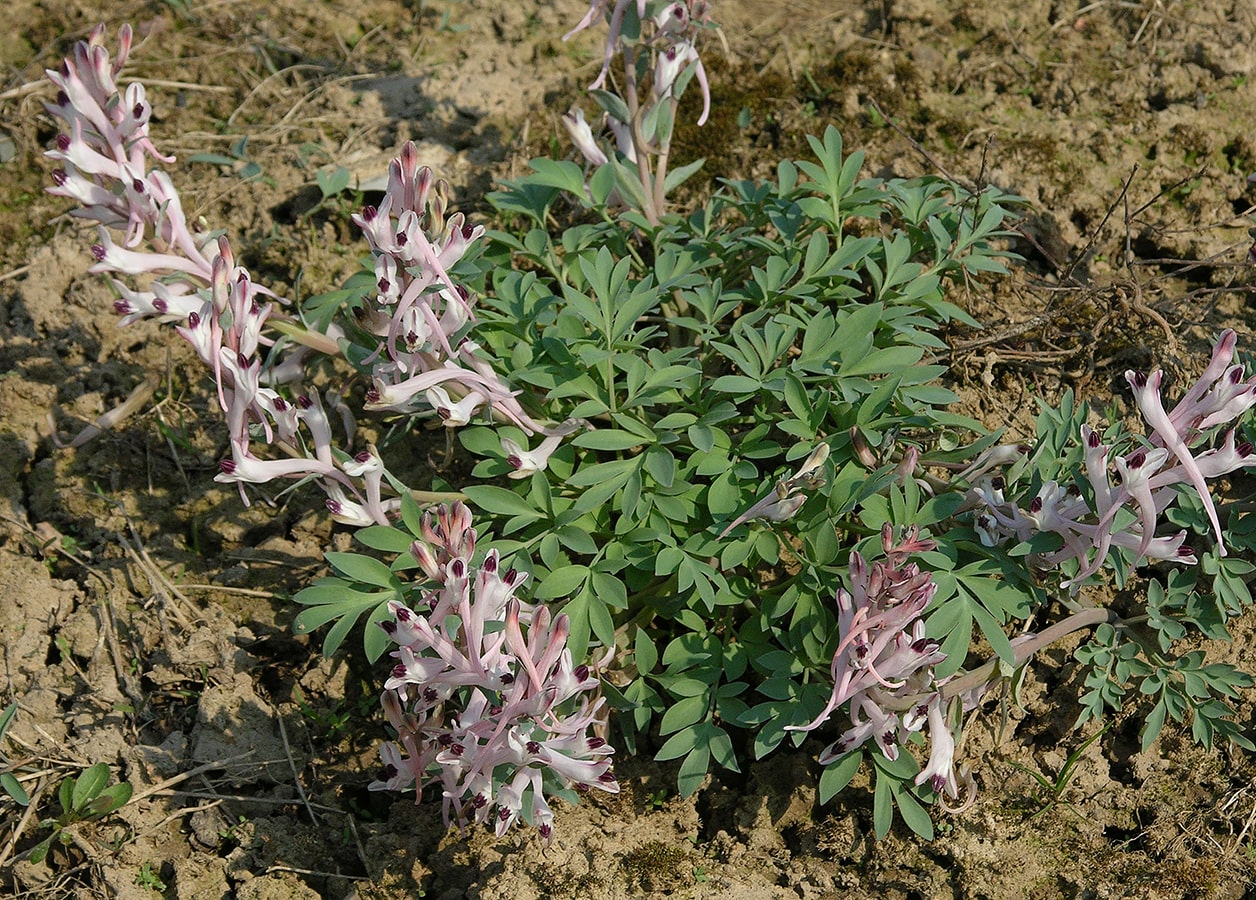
(1176, 453)
(195, 285)
(641, 119)
(417, 318)
(883, 668)
(484, 695)
(103, 157)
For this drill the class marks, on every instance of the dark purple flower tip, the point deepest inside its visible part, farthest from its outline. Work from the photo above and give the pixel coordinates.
(581, 673)
(462, 292)
(401, 238)
(1236, 375)
(390, 771)
(194, 319)
(998, 483)
(227, 466)
(495, 710)
(280, 404)
(63, 99)
(922, 710)
(389, 626)
(533, 747)
(671, 53)
(490, 564)
(372, 395)
(430, 695)
(888, 738)
(457, 568)
(1244, 449)
(678, 12)
(1136, 459)
(160, 305)
(503, 813)
(137, 111)
(607, 777)
(840, 745)
(445, 740)
(137, 185)
(254, 308)
(1092, 440)
(595, 742)
(510, 576)
(369, 213)
(515, 462)
(984, 521)
(545, 831)
(508, 678)
(924, 646)
(362, 456)
(65, 69)
(411, 338)
(383, 284)
(403, 614)
(1035, 505)
(1185, 552)
(334, 506)
(399, 671)
(467, 231)
(121, 307)
(479, 801)
(98, 251)
(457, 749)
(303, 401)
(582, 788)
(59, 177)
(1140, 380)
(937, 782)
(63, 142)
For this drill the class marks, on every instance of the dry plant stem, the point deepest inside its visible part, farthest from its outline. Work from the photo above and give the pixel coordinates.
(138, 399)
(1086, 618)
(292, 765)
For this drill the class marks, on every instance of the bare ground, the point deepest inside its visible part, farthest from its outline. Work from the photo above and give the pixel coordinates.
(142, 608)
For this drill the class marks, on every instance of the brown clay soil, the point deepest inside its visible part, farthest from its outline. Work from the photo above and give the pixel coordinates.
(143, 610)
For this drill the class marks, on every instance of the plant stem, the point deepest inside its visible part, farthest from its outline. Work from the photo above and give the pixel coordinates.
(1086, 618)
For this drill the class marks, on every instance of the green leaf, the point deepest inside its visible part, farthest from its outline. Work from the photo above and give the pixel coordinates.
(385, 538)
(693, 771)
(684, 712)
(14, 789)
(915, 815)
(88, 785)
(608, 439)
(110, 799)
(501, 501)
(836, 776)
(362, 568)
(561, 582)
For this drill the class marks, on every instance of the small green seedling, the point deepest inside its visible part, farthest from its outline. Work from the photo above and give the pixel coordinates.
(82, 799)
(1051, 792)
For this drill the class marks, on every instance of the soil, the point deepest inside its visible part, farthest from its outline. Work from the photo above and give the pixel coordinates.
(143, 610)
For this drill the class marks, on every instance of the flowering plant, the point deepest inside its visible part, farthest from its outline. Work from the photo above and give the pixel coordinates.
(686, 429)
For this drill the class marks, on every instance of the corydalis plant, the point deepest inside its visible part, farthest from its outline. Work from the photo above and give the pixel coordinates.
(484, 696)
(884, 666)
(417, 351)
(1177, 454)
(657, 45)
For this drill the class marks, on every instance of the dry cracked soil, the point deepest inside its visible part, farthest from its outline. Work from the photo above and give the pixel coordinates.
(142, 610)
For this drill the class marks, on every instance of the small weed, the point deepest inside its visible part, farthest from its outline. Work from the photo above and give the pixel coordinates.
(147, 878)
